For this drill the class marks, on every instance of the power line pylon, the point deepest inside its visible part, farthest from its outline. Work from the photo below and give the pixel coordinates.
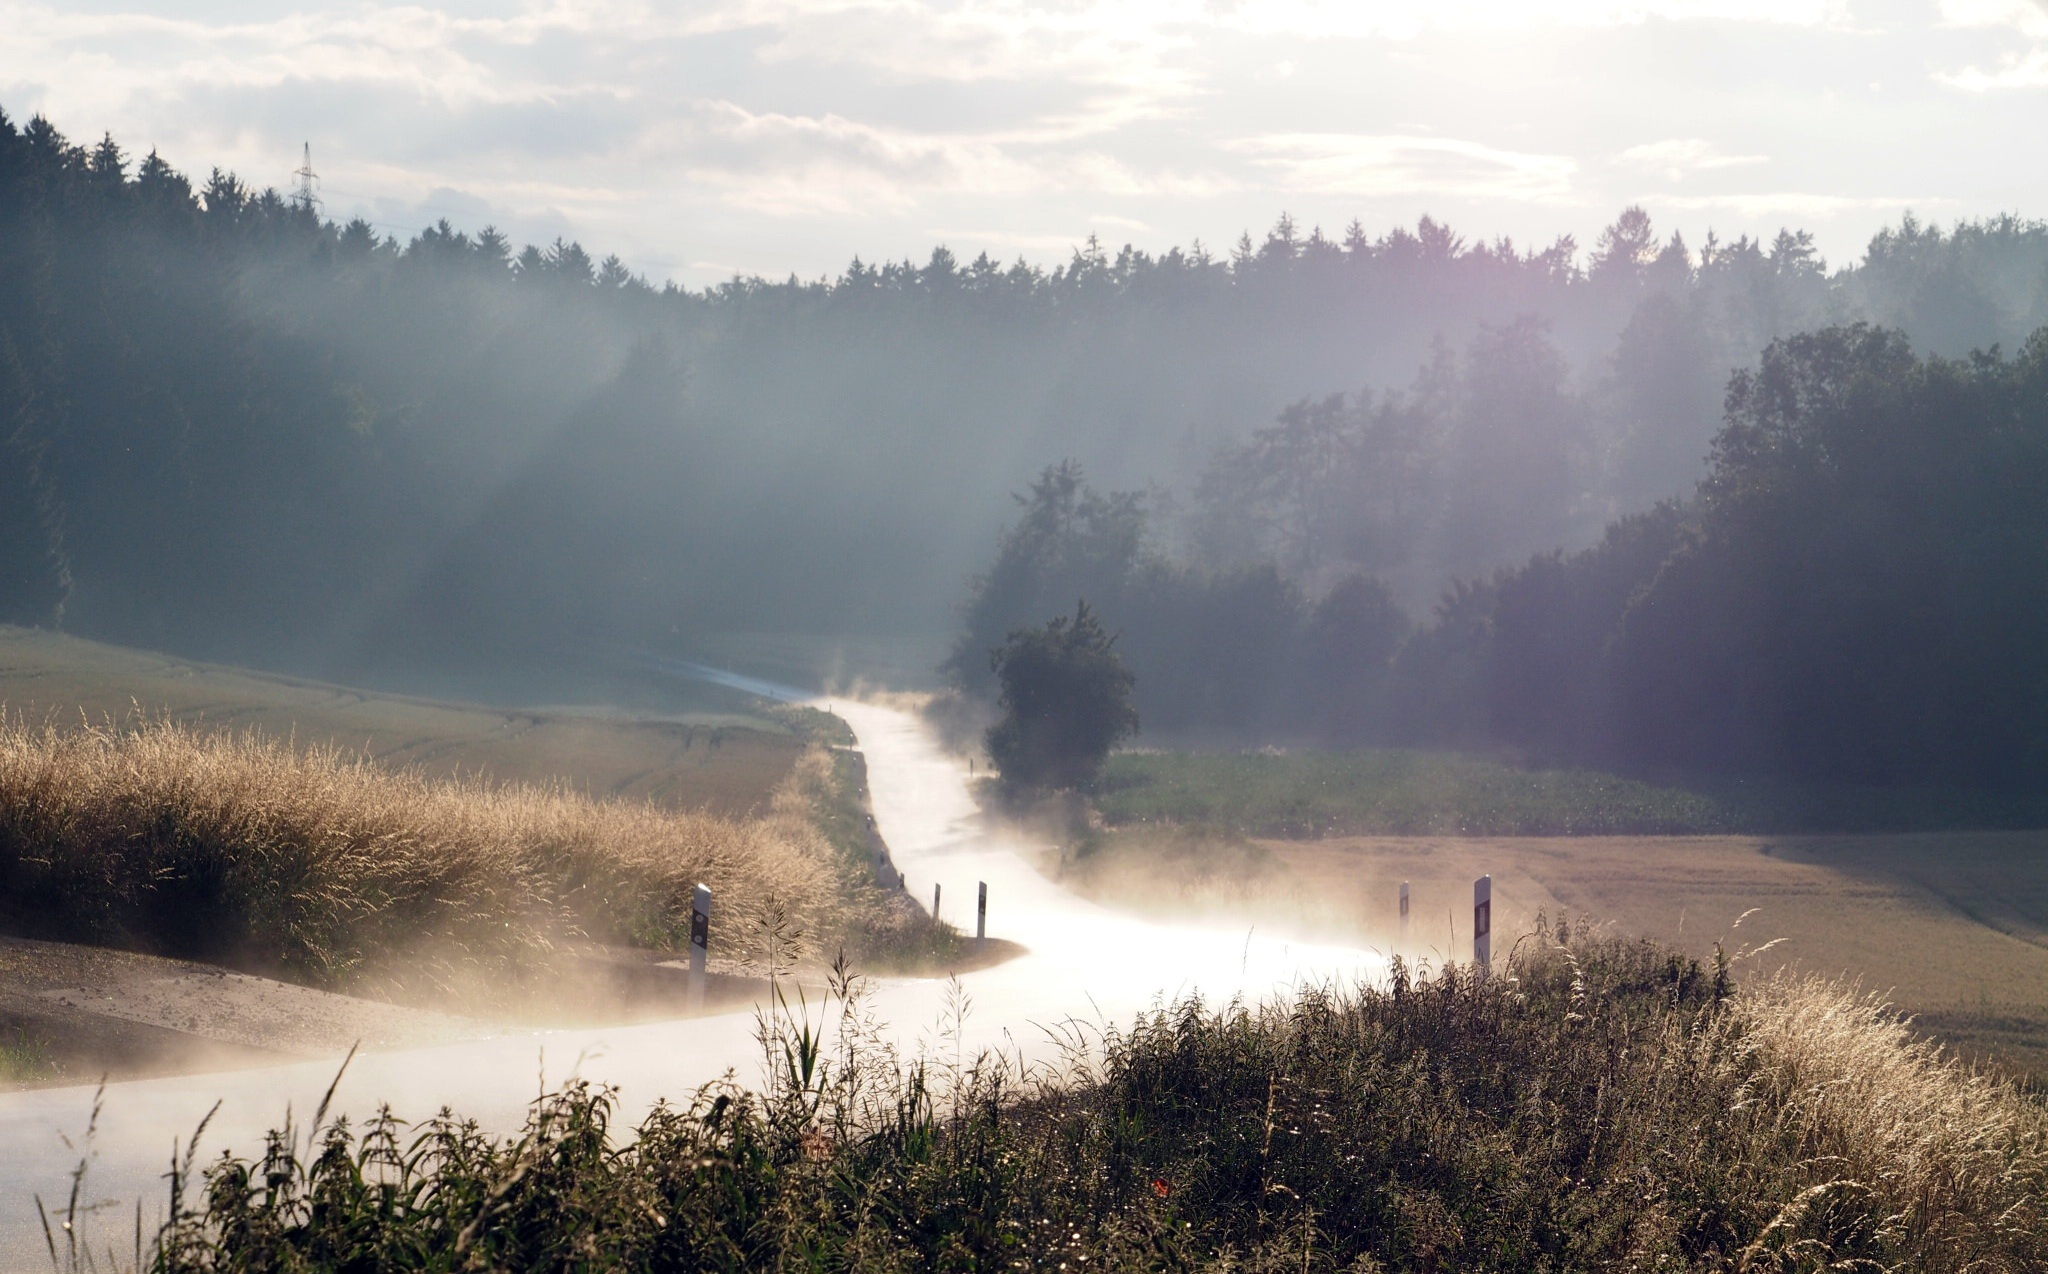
(304, 198)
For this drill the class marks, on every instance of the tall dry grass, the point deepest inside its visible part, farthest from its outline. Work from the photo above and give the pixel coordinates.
(325, 868)
(1905, 1148)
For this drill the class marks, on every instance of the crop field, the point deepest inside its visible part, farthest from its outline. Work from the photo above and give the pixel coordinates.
(716, 758)
(1404, 792)
(1952, 927)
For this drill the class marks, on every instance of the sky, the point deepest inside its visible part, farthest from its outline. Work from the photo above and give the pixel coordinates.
(702, 140)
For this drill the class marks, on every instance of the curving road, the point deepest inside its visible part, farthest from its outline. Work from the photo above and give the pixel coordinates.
(1085, 963)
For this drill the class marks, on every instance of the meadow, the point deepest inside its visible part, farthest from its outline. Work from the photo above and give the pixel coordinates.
(1593, 1105)
(712, 749)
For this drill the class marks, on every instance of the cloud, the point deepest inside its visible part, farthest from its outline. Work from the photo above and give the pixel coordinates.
(2014, 70)
(1676, 158)
(808, 130)
(1380, 165)
(1763, 205)
(2028, 17)
(1406, 19)
(793, 165)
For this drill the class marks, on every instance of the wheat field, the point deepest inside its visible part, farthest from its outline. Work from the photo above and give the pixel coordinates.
(325, 867)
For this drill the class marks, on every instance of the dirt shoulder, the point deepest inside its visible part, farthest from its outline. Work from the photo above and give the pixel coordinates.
(70, 1013)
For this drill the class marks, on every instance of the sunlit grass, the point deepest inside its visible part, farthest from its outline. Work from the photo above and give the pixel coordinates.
(1594, 1105)
(323, 867)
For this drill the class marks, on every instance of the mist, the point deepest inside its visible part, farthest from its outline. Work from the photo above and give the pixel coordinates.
(244, 433)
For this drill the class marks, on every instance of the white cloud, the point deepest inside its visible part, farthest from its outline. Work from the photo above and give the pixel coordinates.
(2014, 70)
(2017, 72)
(1763, 205)
(1676, 158)
(1404, 19)
(2028, 17)
(802, 165)
(1381, 165)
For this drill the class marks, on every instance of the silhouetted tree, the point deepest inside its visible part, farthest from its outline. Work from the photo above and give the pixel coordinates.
(1066, 700)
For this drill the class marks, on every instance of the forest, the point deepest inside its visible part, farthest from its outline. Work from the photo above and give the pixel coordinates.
(1711, 505)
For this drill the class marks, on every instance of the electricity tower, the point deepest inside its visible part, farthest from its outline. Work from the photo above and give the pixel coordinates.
(304, 198)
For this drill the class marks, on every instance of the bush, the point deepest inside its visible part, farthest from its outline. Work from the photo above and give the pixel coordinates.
(1066, 700)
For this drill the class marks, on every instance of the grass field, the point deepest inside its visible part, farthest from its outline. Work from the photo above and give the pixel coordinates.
(1394, 792)
(727, 761)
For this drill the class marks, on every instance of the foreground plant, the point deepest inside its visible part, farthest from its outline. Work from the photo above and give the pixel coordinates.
(1601, 1106)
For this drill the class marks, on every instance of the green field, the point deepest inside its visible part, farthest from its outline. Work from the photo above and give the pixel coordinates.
(1396, 792)
(721, 754)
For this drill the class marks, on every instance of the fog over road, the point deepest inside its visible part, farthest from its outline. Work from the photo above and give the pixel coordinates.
(1085, 963)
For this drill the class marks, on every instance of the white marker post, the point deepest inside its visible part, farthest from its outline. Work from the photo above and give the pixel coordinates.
(700, 944)
(1482, 923)
(1404, 917)
(981, 918)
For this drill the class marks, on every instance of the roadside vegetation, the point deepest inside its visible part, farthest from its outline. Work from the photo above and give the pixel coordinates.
(1403, 792)
(321, 867)
(1594, 1105)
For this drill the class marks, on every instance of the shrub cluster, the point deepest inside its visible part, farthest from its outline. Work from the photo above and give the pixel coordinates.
(1593, 1106)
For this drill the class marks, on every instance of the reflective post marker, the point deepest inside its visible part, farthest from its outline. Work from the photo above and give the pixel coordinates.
(981, 917)
(700, 943)
(1404, 917)
(1482, 923)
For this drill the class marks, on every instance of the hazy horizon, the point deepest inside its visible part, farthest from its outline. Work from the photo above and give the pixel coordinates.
(750, 137)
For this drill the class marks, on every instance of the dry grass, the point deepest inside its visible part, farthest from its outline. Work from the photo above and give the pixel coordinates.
(326, 868)
(1911, 1148)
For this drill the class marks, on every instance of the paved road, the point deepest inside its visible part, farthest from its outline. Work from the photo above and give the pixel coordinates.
(1085, 963)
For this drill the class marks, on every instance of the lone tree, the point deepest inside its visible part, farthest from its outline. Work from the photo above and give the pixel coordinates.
(1066, 696)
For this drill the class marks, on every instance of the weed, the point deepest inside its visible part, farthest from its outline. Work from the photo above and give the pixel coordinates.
(1600, 1106)
(26, 1058)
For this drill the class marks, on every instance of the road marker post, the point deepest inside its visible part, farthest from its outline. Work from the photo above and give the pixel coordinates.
(1482, 924)
(1404, 918)
(700, 944)
(935, 901)
(981, 918)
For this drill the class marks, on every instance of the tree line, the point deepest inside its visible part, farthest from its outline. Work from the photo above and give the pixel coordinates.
(1855, 592)
(235, 429)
